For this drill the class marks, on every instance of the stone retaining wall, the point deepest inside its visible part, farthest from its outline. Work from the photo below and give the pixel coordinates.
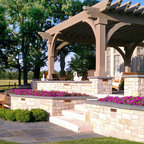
(95, 85)
(134, 85)
(115, 120)
(54, 106)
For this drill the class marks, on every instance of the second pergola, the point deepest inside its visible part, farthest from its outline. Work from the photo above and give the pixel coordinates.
(105, 24)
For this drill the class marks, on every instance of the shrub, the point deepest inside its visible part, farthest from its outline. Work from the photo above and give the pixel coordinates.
(38, 115)
(23, 116)
(10, 115)
(2, 113)
(122, 85)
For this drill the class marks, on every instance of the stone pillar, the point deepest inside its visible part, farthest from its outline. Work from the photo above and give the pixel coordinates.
(101, 85)
(134, 85)
(50, 61)
(100, 47)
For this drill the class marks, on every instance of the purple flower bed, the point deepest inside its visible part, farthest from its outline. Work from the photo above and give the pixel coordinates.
(138, 101)
(44, 93)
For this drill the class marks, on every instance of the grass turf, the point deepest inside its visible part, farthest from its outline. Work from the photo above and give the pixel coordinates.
(97, 141)
(12, 82)
(5, 142)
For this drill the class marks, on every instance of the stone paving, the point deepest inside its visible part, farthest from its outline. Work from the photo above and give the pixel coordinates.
(39, 132)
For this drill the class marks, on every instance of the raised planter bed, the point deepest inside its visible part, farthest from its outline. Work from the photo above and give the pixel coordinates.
(116, 120)
(53, 105)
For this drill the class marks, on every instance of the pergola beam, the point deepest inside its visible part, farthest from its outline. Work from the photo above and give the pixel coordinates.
(115, 5)
(114, 29)
(68, 23)
(95, 13)
(121, 23)
(45, 35)
(133, 8)
(124, 6)
(139, 10)
(103, 5)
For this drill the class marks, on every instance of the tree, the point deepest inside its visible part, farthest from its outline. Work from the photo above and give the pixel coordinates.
(84, 59)
(84, 54)
(71, 8)
(26, 19)
(9, 54)
(37, 49)
(4, 38)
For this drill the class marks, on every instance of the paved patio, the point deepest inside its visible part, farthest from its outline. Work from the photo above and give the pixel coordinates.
(39, 132)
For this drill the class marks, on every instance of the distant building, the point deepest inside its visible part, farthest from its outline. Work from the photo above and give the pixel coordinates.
(115, 64)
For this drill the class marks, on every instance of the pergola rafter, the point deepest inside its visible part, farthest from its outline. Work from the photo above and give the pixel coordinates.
(105, 24)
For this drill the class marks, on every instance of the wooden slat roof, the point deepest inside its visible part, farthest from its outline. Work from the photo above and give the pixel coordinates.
(76, 29)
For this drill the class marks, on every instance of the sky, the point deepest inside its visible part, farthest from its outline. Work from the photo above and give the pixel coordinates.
(134, 1)
(68, 58)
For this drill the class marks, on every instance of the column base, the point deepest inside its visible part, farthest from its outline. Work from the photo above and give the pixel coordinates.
(101, 84)
(100, 73)
(134, 85)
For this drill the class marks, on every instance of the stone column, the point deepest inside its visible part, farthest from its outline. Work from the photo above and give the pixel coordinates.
(100, 46)
(50, 60)
(134, 84)
(101, 85)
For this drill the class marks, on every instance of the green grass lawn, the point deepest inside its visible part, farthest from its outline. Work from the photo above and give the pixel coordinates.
(102, 140)
(4, 142)
(12, 82)
(96, 141)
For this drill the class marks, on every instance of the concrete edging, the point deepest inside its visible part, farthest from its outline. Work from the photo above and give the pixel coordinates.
(121, 106)
(55, 98)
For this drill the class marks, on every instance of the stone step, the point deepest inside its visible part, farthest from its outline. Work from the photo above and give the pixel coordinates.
(74, 114)
(71, 124)
(79, 107)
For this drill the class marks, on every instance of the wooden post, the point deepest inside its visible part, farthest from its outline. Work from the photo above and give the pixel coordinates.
(100, 47)
(15, 85)
(9, 85)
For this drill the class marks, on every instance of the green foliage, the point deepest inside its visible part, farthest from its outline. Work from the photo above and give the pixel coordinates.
(122, 85)
(39, 115)
(84, 59)
(10, 115)
(98, 140)
(20, 22)
(5, 142)
(2, 113)
(13, 75)
(23, 116)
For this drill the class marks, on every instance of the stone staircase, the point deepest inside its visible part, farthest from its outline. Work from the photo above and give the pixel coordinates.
(73, 119)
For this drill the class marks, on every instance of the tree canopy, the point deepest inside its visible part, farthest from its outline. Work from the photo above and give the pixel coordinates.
(21, 47)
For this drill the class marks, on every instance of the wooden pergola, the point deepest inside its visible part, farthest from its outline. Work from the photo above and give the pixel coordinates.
(106, 24)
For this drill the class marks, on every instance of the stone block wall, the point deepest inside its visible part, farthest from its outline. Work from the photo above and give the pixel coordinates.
(52, 106)
(134, 85)
(92, 87)
(108, 120)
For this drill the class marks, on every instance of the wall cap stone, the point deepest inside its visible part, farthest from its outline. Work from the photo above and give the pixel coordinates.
(133, 76)
(114, 105)
(100, 77)
(55, 98)
(52, 81)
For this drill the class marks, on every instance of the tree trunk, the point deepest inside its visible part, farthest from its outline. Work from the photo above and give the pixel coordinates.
(62, 64)
(19, 78)
(37, 72)
(25, 61)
